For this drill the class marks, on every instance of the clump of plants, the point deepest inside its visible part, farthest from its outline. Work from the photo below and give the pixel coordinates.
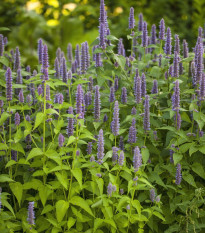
(104, 139)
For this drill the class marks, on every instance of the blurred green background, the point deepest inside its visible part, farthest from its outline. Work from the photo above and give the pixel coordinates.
(59, 22)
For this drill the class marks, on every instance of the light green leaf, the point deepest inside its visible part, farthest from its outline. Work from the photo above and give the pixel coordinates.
(159, 215)
(79, 201)
(71, 222)
(62, 179)
(177, 157)
(145, 155)
(17, 189)
(137, 206)
(189, 179)
(10, 163)
(71, 139)
(4, 117)
(61, 209)
(198, 169)
(77, 173)
(3, 146)
(34, 152)
(5, 178)
(44, 193)
(18, 147)
(39, 119)
(47, 209)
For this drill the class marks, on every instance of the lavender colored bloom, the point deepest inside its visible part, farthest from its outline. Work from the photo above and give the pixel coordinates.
(146, 120)
(155, 87)
(176, 97)
(137, 89)
(131, 19)
(157, 199)
(40, 90)
(177, 119)
(14, 155)
(105, 119)
(17, 63)
(181, 68)
(201, 133)
(87, 55)
(18, 81)
(102, 12)
(109, 189)
(137, 159)
(61, 140)
(45, 64)
(116, 83)
(89, 148)
(70, 126)
(29, 100)
(121, 49)
(60, 98)
(177, 44)
(185, 49)
(121, 158)
(69, 52)
(90, 84)
(98, 60)
(40, 51)
(79, 101)
(100, 153)
(153, 34)
(31, 215)
(17, 119)
(132, 133)
(57, 68)
(9, 91)
(77, 55)
(98, 175)
(178, 175)
(121, 191)
(92, 158)
(176, 65)
(140, 23)
(121, 144)
(152, 195)
(102, 36)
(63, 70)
(5, 41)
(171, 71)
(88, 99)
(83, 66)
(114, 154)
(162, 30)
(28, 118)
(200, 32)
(144, 35)
(97, 104)
(166, 75)
(133, 111)
(168, 43)
(128, 207)
(199, 50)
(1, 45)
(77, 153)
(115, 124)
(124, 95)
(155, 135)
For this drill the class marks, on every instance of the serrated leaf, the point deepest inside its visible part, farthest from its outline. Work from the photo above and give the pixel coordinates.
(61, 209)
(145, 155)
(39, 119)
(34, 152)
(198, 169)
(3, 146)
(18, 147)
(4, 117)
(62, 179)
(5, 178)
(17, 189)
(71, 139)
(77, 173)
(44, 193)
(177, 157)
(136, 204)
(79, 201)
(71, 222)
(159, 215)
(189, 179)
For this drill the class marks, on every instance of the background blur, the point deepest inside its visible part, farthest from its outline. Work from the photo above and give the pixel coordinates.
(58, 22)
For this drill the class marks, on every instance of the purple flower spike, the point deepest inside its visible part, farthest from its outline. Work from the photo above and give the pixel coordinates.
(115, 124)
(185, 49)
(132, 134)
(116, 83)
(168, 43)
(177, 44)
(140, 23)
(89, 148)
(31, 215)
(152, 195)
(146, 120)
(153, 34)
(133, 111)
(137, 89)
(121, 191)
(131, 19)
(178, 175)
(77, 55)
(40, 90)
(177, 120)
(102, 12)
(124, 95)
(79, 101)
(57, 68)
(61, 140)
(83, 67)
(176, 65)
(1, 45)
(69, 53)
(121, 158)
(143, 85)
(70, 125)
(64, 73)
(155, 87)
(162, 30)
(100, 153)
(121, 143)
(105, 119)
(121, 49)
(144, 35)
(40, 51)
(9, 91)
(176, 97)
(17, 62)
(202, 87)
(21, 96)
(97, 104)
(171, 152)
(17, 119)
(45, 64)
(137, 159)
(102, 36)
(109, 189)
(114, 154)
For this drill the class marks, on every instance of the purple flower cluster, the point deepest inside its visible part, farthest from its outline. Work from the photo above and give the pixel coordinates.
(115, 124)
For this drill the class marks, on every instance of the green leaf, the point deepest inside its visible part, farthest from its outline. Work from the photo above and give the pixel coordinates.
(71, 139)
(189, 179)
(4, 29)
(4, 117)
(198, 169)
(159, 215)
(39, 119)
(5, 178)
(100, 183)
(137, 206)
(77, 173)
(145, 155)
(4, 61)
(18, 147)
(17, 189)
(79, 201)
(97, 223)
(61, 209)
(34, 152)
(3, 146)
(62, 179)
(155, 72)
(10, 163)
(71, 222)
(177, 157)
(44, 193)
(193, 149)
(120, 60)
(47, 209)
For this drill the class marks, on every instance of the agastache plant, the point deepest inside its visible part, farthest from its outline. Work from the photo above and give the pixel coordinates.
(100, 151)
(137, 159)
(146, 121)
(131, 19)
(31, 215)
(9, 90)
(115, 124)
(97, 104)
